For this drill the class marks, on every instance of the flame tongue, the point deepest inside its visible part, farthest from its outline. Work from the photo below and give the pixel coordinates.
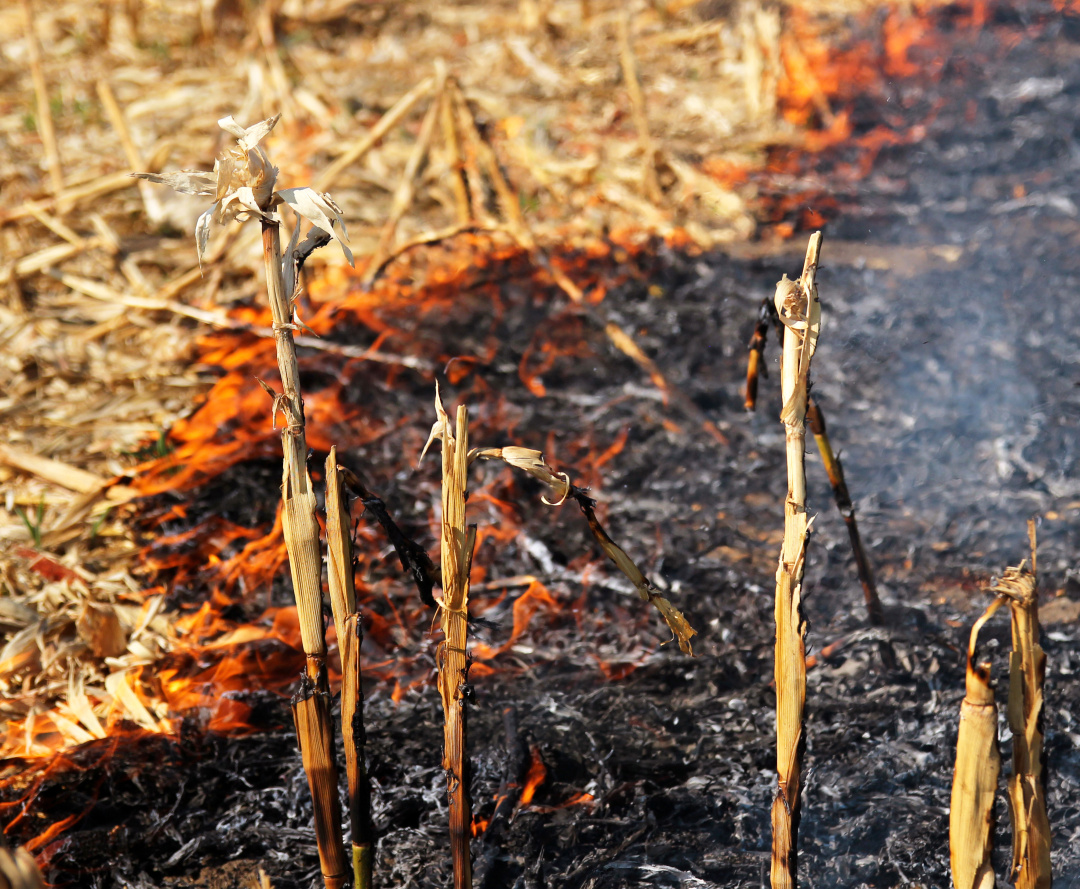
(534, 777)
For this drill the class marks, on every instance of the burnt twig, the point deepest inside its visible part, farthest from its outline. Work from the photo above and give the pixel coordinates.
(414, 558)
(835, 470)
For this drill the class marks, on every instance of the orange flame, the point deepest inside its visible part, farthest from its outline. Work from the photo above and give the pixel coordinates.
(534, 777)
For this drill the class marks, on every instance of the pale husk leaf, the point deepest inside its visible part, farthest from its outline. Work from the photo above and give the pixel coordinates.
(249, 137)
(320, 211)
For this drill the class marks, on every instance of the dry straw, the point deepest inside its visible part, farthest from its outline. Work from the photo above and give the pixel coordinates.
(350, 635)
(456, 546)
(800, 312)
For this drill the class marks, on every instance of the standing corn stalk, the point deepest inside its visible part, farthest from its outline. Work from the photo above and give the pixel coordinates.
(457, 543)
(975, 776)
(1027, 668)
(799, 310)
(350, 635)
(243, 186)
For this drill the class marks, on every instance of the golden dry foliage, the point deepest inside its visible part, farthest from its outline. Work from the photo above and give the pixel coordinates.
(800, 311)
(532, 462)
(339, 575)
(1027, 668)
(978, 763)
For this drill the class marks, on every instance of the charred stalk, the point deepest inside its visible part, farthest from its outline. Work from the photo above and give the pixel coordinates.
(755, 365)
(362, 827)
(414, 558)
(835, 470)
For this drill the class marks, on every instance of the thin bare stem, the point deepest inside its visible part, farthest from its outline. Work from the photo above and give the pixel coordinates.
(835, 470)
(385, 124)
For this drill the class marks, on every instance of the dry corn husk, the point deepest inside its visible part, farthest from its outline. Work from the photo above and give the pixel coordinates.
(978, 763)
(339, 574)
(18, 870)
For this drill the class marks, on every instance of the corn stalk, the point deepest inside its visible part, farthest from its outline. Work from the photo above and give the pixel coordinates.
(456, 546)
(1027, 669)
(243, 186)
(800, 312)
(311, 705)
(975, 777)
(350, 636)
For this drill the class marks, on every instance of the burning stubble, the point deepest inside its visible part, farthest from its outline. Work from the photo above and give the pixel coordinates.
(243, 185)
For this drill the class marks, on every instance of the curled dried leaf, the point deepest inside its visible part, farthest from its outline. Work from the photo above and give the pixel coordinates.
(202, 232)
(249, 137)
(321, 211)
(532, 462)
(242, 185)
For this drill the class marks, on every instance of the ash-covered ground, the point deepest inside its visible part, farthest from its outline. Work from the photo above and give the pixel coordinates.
(948, 371)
